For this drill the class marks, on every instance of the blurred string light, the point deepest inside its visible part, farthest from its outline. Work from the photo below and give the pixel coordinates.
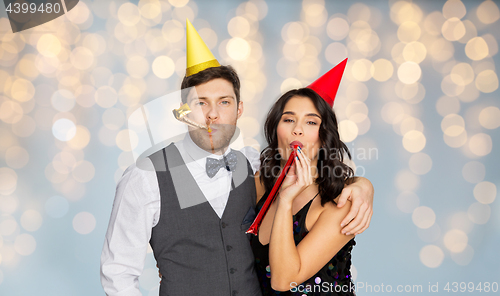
(53, 73)
(465, 80)
(244, 52)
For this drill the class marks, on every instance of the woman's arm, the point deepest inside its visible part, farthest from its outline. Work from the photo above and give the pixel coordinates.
(295, 264)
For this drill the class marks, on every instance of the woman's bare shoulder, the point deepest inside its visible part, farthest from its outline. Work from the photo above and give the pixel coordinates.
(328, 213)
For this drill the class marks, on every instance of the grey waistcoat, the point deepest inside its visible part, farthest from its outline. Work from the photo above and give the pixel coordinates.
(197, 252)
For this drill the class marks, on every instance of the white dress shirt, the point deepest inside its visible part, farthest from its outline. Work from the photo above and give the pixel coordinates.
(136, 210)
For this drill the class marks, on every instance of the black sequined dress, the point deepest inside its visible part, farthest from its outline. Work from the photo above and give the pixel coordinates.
(331, 279)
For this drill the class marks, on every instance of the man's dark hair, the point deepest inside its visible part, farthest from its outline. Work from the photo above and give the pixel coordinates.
(225, 72)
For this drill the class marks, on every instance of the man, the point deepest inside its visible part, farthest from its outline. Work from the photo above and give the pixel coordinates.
(201, 247)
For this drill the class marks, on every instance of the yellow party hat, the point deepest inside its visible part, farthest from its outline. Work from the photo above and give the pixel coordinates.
(199, 57)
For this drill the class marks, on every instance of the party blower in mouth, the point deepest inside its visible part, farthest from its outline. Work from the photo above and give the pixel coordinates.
(180, 114)
(254, 228)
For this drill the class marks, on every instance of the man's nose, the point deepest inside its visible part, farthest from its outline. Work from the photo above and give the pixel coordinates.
(212, 114)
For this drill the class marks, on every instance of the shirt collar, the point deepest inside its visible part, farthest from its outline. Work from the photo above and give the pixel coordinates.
(197, 154)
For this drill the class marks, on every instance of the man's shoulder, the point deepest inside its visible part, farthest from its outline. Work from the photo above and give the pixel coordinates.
(141, 168)
(253, 157)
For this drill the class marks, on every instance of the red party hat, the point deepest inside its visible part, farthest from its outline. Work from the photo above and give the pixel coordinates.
(327, 85)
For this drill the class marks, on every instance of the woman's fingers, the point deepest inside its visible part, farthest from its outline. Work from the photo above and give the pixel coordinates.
(303, 167)
(299, 166)
(306, 167)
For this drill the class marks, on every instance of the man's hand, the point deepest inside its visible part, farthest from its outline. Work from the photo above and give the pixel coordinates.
(159, 273)
(360, 193)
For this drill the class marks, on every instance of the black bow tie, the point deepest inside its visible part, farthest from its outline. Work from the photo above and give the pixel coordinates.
(213, 165)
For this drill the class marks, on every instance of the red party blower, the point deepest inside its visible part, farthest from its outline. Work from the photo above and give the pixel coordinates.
(254, 228)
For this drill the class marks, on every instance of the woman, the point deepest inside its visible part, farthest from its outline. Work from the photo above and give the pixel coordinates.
(300, 248)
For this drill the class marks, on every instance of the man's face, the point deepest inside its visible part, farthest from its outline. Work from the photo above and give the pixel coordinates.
(215, 105)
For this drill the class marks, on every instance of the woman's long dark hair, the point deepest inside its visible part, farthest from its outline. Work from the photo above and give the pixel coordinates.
(332, 172)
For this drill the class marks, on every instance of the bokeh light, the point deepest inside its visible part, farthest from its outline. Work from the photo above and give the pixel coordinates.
(409, 72)
(453, 125)
(431, 256)
(337, 28)
(106, 96)
(82, 58)
(480, 144)
(485, 192)
(63, 100)
(8, 181)
(25, 244)
(431, 234)
(67, 88)
(407, 201)
(406, 180)
(84, 223)
(348, 130)
(238, 49)
(409, 124)
(453, 29)
(31, 220)
(490, 117)
(409, 31)
(465, 257)
(474, 172)
(16, 157)
(460, 220)
(487, 81)
(56, 206)
(64, 129)
(488, 12)
(83, 171)
(455, 240)
(454, 9)
(423, 217)
(420, 163)
(479, 213)
(22, 90)
(414, 141)
(381, 70)
(163, 67)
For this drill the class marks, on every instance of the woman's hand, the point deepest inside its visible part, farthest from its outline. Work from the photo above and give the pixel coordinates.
(299, 177)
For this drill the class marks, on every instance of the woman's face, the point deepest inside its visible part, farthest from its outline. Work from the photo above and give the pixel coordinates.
(300, 121)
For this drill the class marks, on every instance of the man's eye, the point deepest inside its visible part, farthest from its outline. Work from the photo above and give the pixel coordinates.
(200, 103)
(225, 102)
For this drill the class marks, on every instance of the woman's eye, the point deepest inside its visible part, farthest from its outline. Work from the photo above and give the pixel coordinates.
(311, 122)
(288, 120)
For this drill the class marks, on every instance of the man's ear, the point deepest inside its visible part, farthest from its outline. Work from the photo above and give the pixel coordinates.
(240, 109)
